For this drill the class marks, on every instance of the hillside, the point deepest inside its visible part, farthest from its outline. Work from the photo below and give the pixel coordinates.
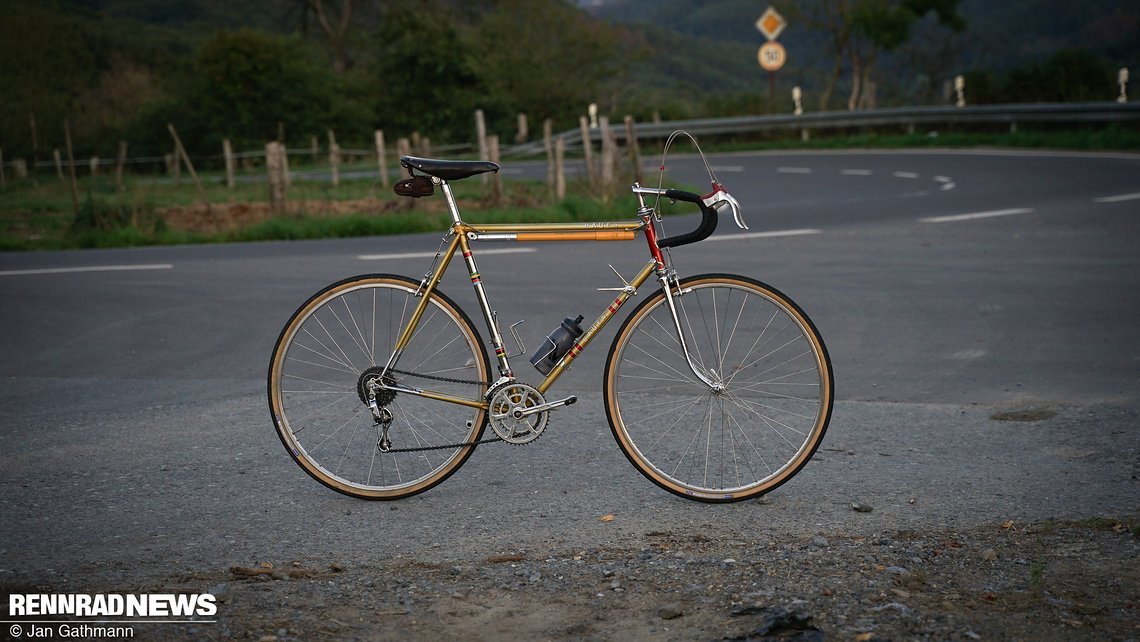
(122, 69)
(998, 37)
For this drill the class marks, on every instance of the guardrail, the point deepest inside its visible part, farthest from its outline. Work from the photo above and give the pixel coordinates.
(901, 117)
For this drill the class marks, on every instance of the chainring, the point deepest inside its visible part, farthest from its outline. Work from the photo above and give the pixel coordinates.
(512, 397)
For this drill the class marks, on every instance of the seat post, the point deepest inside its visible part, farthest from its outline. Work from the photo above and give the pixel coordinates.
(450, 198)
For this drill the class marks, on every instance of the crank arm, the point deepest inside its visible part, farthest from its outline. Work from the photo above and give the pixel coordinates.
(519, 414)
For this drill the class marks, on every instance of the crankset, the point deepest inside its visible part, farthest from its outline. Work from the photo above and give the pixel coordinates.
(519, 413)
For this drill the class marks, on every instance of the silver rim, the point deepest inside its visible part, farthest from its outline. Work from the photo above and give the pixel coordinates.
(317, 388)
(758, 429)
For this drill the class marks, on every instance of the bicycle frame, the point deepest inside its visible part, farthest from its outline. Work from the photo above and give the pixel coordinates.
(463, 233)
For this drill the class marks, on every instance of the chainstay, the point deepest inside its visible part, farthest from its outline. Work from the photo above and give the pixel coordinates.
(444, 446)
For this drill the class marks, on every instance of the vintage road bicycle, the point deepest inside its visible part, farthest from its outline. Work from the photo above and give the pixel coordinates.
(717, 387)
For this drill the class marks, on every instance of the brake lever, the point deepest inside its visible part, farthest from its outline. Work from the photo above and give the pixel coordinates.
(720, 197)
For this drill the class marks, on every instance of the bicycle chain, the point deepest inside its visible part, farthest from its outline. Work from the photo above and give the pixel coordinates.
(444, 446)
(444, 379)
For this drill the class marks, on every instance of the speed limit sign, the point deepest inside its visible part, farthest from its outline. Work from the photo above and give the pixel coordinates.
(772, 56)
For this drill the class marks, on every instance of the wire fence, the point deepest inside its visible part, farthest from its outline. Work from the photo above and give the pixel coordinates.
(575, 140)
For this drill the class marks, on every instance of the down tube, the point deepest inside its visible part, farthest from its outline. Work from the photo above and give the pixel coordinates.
(600, 323)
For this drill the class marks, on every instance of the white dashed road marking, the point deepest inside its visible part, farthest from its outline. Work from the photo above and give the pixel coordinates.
(1118, 198)
(793, 170)
(92, 268)
(976, 215)
(855, 172)
(906, 175)
(762, 235)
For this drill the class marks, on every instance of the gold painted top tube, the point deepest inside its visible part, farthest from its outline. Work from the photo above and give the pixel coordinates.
(627, 226)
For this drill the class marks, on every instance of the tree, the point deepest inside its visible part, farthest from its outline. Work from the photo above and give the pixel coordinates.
(859, 30)
(245, 83)
(884, 25)
(334, 30)
(545, 57)
(424, 76)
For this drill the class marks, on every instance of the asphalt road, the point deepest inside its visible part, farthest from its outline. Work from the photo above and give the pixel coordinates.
(949, 286)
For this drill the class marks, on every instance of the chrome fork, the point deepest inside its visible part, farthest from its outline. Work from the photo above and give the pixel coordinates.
(712, 380)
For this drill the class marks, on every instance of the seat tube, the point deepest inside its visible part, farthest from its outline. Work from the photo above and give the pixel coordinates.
(484, 306)
(450, 198)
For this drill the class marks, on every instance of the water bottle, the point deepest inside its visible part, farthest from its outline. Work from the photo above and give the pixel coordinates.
(556, 344)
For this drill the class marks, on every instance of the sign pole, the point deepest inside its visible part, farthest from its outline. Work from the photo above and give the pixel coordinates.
(772, 54)
(771, 92)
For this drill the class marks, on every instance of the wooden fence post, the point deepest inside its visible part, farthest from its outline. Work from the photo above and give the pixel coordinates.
(71, 167)
(404, 148)
(276, 177)
(59, 166)
(285, 174)
(587, 152)
(634, 152)
(228, 159)
(189, 165)
(314, 148)
(607, 155)
(560, 168)
(120, 162)
(94, 165)
(381, 157)
(20, 166)
(548, 145)
(334, 159)
(496, 179)
(481, 138)
(523, 132)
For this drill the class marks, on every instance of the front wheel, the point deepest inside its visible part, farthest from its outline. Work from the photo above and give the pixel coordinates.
(323, 368)
(751, 431)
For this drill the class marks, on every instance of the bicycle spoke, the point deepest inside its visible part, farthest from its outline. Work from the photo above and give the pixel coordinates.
(729, 441)
(315, 388)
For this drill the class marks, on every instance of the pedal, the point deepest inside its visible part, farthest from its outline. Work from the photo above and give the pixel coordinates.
(568, 401)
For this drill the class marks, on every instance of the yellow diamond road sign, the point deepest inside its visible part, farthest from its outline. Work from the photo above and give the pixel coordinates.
(771, 24)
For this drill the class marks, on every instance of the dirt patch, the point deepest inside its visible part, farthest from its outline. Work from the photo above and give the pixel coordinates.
(225, 217)
(1028, 414)
(1073, 581)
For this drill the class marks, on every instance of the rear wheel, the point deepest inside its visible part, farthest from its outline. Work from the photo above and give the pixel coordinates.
(329, 352)
(748, 434)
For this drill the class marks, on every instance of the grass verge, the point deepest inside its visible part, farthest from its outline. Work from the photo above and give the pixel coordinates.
(39, 214)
